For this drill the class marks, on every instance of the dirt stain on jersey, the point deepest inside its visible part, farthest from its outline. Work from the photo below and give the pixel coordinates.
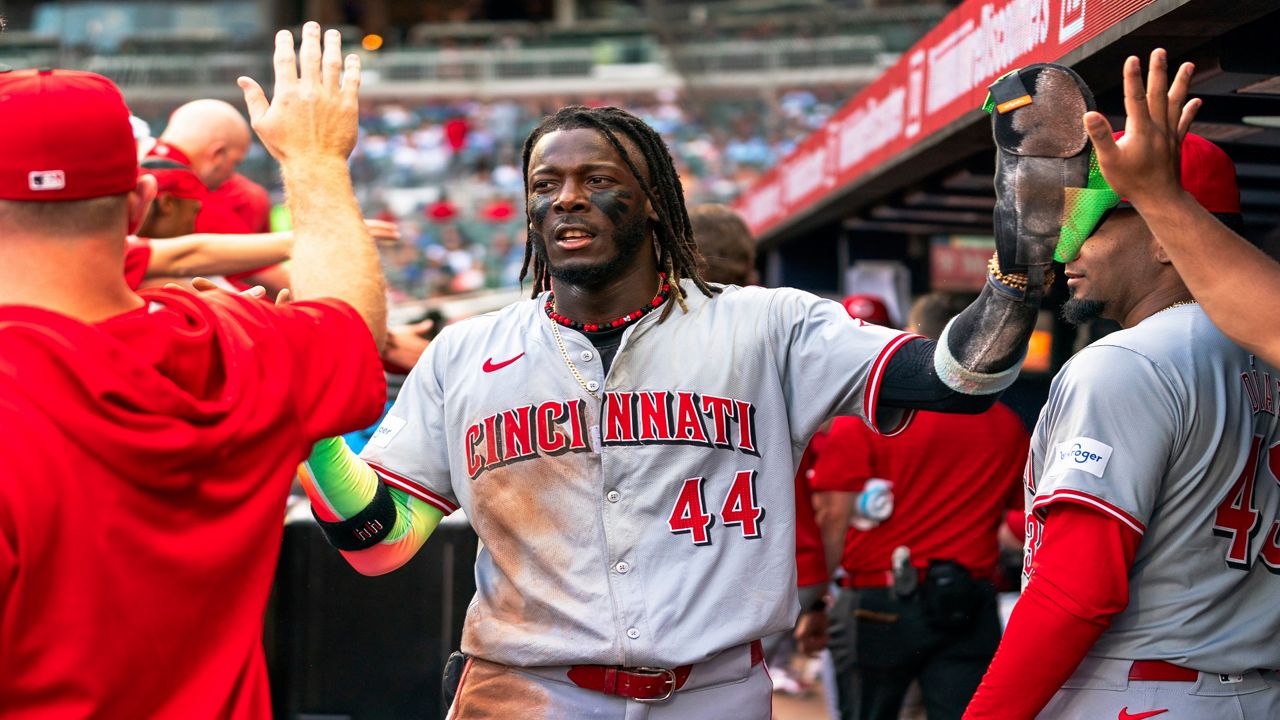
(495, 692)
(534, 519)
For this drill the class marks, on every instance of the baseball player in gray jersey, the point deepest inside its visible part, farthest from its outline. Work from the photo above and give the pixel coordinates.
(1152, 568)
(624, 442)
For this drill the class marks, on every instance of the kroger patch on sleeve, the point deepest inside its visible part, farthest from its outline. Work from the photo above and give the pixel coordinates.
(387, 430)
(1082, 453)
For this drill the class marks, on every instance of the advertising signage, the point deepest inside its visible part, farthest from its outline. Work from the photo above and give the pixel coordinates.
(938, 80)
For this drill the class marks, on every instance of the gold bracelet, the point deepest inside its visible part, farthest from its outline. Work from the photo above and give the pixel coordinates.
(1015, 281)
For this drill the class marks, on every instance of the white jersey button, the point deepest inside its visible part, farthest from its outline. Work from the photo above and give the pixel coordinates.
(613, 496)
(586, 355)
(592, 385)
(622, 567)
(633, 633)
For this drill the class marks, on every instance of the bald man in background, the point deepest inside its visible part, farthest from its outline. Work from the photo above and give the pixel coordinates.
(212, 138)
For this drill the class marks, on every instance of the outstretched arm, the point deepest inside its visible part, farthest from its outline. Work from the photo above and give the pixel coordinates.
(342, 488)
(1042, 172)
(978, 356)
(214, 254)
(310, 127)
(226, 254)
(1236, 283)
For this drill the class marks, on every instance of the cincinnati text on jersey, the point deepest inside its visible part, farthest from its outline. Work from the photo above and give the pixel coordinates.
(661, 417)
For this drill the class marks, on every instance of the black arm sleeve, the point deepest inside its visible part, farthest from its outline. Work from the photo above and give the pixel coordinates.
(910, 382)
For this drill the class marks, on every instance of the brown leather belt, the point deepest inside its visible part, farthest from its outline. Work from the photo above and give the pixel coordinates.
(1160, 670)
(643, 684)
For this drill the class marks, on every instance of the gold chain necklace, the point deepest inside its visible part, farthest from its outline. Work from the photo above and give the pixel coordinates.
(564, 352)
(555, 330)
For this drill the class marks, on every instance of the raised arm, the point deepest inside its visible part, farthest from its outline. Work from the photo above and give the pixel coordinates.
(310, 127)
(1042, 167)
(1236, 283)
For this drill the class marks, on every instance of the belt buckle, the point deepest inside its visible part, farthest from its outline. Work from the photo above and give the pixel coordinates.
(668, 673)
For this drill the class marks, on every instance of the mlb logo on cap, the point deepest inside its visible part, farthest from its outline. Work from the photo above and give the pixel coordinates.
(47, 180)
(64, 135)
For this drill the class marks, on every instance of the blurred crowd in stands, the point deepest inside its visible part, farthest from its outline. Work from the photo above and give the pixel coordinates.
(449, 172)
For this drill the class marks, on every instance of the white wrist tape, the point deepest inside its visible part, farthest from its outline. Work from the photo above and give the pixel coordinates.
(963, 380)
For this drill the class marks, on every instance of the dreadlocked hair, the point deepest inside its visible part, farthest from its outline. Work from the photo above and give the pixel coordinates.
(677, 251)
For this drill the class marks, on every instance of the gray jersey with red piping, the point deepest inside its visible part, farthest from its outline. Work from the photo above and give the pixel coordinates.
(1172, 430)
(646, 516)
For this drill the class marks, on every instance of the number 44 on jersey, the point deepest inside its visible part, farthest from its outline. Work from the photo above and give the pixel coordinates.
(739, 508)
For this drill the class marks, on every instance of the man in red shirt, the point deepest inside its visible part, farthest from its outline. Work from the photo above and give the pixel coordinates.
(934, 618)
(149, 440)
(212, 138)
(247, 199)
(179, 197)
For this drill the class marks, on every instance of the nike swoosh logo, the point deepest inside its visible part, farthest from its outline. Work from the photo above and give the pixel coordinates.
(490, 365)
(1124, 714)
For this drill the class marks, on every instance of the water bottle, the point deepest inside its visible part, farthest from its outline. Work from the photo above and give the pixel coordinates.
(874, 504)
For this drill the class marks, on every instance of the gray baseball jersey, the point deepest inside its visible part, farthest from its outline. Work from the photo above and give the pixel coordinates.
(651, 524)
(1171, 429)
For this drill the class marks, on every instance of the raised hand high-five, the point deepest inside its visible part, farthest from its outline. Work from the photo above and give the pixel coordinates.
(310, 125)
(1142, 166)
(314, 108)
(1235, 282)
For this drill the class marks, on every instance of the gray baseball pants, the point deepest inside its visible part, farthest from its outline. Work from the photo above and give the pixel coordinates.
(726, 687)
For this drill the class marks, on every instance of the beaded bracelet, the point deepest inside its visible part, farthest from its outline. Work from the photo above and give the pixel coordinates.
(1015, 281)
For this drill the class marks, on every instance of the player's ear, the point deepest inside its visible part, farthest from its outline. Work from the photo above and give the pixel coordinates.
(649, 211)
(140, 199)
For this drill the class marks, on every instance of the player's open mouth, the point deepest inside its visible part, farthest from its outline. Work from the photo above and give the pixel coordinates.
(573, 237)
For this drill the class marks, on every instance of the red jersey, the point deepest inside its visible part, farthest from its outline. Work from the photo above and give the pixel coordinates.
(144, 465)
(811, 563)
(953, 477)
(238, 206)
(248, 200)
(137, 256)
(217, 216)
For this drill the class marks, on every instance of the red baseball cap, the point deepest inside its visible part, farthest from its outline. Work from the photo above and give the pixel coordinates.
(1207, 174)
(174, 178)
(867, 308)
(64, 135)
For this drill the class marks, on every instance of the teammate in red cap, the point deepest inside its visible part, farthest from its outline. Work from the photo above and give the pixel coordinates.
(1236, 283)
(182, 253)
(179, 196)
(867, 308)
(1153, 514)
(149, 440)
(212, 138)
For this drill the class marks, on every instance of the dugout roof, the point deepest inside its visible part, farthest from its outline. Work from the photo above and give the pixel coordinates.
(911, 155)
